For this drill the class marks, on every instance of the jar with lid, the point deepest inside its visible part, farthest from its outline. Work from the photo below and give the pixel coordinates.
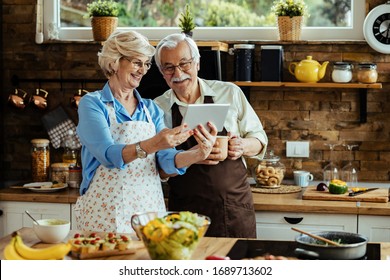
(367, 73)
(342, 72)
(269, 172)
(75, 176)
(40, 160)
(60, 172)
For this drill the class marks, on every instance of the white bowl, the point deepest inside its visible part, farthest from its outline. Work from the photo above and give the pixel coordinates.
(52, 230)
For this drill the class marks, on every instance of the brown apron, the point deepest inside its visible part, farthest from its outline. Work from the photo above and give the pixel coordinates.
(220, 192)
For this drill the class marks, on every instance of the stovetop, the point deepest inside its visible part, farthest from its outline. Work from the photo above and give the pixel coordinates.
(254, 248)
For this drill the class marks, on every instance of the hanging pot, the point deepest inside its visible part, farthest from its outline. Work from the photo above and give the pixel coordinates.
(353, 246)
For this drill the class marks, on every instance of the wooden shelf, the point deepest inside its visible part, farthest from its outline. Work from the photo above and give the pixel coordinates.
(213, 45)
(308, 85)
(363, 88)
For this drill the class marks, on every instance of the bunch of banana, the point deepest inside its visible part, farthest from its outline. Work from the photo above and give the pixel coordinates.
(18, 250)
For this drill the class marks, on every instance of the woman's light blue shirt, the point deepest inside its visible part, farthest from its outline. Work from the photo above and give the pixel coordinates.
(98, 146)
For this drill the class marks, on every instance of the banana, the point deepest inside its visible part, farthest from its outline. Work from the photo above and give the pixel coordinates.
(10, 251)
(55, 252)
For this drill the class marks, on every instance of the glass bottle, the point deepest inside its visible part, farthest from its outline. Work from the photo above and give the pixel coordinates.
(330, 171)
(70, 148)
(40, 160)
(349, 172)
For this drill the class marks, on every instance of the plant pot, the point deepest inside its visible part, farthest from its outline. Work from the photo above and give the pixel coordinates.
(290, 28)
(102, 27)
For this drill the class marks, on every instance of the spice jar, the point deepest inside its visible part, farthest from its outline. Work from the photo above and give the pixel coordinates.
(74, 176)
(40, 160)
(342, 72)
(366, 73)
(269, 172)
(60, 172)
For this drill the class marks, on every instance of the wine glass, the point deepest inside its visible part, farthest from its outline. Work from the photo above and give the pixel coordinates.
(330, 171)
(349, 173)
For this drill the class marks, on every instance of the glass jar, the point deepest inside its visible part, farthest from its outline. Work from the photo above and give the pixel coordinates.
(40, 160)
(342, 72)
(367, 73)
(60, 172)
(74, 176)
(269, 172)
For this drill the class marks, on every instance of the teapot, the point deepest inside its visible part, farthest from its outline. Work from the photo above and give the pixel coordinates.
(308, 70)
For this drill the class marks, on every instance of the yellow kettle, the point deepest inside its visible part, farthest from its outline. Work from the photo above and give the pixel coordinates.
(308, 70)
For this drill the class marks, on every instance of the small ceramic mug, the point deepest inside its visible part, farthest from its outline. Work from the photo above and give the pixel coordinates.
(223, 142)
(302, 178)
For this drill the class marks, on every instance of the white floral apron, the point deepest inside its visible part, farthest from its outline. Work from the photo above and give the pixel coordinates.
(114, 195)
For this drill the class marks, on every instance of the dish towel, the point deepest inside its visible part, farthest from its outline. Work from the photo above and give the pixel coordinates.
(57, 124)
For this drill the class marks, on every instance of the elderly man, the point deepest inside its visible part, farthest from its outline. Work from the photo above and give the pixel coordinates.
(218, 189)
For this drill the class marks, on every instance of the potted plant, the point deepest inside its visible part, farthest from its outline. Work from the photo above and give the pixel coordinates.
(290, 15)
(104, 18)
(186, 21)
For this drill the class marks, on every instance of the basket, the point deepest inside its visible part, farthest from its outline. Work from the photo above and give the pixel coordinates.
(102, 27)
(290, 28)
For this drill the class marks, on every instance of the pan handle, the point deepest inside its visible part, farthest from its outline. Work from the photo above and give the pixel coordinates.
(306, 254)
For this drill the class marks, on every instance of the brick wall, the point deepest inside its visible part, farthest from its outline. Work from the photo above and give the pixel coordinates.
(315, 115)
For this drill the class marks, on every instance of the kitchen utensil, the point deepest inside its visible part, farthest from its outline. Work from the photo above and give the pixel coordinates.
(18, 100)
(361, 192)
(308, 70)
(28, 214)
(317, 237)
(354, 245)
(39, 99)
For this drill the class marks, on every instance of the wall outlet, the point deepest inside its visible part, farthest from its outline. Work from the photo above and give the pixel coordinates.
(298, 149)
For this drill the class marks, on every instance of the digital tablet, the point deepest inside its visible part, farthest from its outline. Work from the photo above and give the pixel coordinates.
(202, 113)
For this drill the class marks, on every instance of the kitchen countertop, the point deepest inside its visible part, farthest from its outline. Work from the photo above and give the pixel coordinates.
(291, 202)
(207, 246)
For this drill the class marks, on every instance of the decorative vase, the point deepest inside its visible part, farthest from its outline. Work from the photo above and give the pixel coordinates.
(290, 28)
(102, 27)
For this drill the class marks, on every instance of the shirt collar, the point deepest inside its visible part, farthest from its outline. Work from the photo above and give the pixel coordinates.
(107, 96)
(205, 90)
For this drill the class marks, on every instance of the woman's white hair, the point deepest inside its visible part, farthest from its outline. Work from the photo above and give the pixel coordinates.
(171, 42)
(123, 44)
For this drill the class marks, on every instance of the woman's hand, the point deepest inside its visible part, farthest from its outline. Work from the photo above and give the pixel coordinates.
(169, 138)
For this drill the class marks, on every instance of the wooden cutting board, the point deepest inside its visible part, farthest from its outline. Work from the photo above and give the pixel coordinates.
(379, 195)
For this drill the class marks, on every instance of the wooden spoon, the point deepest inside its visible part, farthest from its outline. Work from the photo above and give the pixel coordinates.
(318, 237)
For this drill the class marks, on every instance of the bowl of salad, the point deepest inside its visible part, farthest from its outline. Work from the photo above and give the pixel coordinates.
(170, 235)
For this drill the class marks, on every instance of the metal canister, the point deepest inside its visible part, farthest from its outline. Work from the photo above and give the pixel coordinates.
(40, 160)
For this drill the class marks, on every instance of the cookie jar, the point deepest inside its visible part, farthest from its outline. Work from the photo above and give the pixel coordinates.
(269, 172)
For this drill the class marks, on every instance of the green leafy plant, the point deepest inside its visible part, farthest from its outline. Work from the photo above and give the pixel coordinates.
(291, 8)
(186, 20)
(103, 8)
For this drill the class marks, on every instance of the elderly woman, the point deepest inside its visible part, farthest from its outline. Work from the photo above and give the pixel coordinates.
(125, 142)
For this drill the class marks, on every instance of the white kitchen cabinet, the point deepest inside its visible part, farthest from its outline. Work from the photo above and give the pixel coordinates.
(376, 228)
(277, 225)
(14, 216)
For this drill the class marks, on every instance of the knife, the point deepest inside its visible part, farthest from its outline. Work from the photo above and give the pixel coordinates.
(360, 192)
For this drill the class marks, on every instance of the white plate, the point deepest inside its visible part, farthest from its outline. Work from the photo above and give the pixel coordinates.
(38, 185)
(45, 189)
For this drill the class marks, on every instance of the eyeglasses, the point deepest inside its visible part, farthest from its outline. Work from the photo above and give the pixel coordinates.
(183, 66)
(137, 64)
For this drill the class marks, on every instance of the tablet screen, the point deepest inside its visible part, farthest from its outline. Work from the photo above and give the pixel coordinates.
(202, 113)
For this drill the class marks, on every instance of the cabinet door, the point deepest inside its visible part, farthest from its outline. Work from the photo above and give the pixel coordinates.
(277, 225)
(376, 228)
(14, 217)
